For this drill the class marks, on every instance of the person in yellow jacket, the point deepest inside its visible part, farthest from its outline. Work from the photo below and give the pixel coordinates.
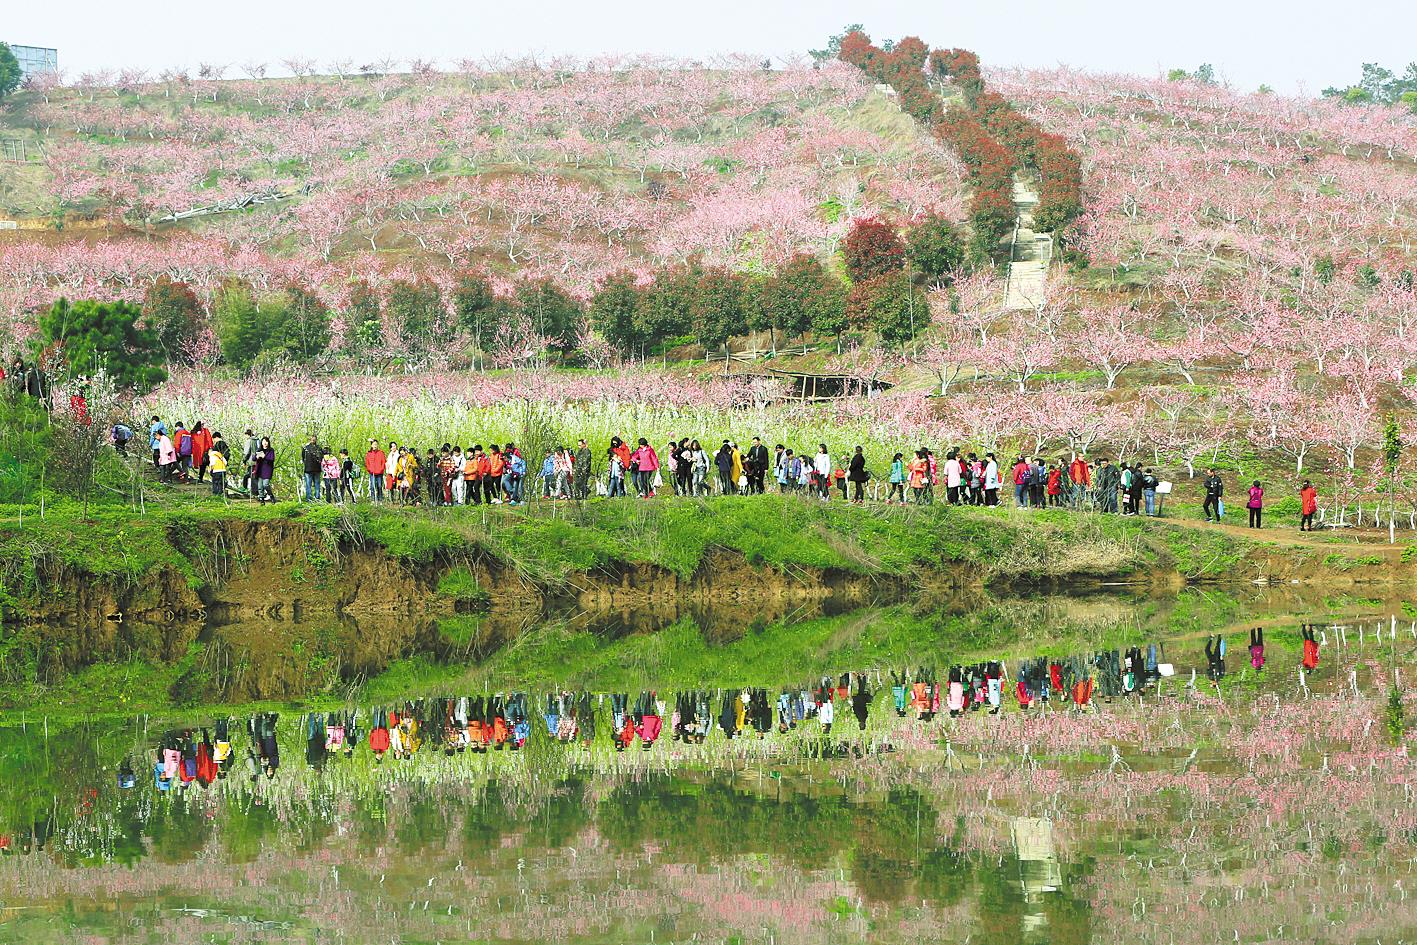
(406, 475)
(736, 468)
(216, 465)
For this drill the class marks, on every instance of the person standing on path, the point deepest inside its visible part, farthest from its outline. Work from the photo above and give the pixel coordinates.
(1256, 504)
(375, 462)
(991, 480)
(264, 470)
(310, 458)
(217, 465)
(1080, 475)
(954, 475)
(1108, 482)
(248, 460)
(1308, 505)
(581, 468)
(757, 466)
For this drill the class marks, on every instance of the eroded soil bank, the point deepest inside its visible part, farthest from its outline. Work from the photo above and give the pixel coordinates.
(382, 587)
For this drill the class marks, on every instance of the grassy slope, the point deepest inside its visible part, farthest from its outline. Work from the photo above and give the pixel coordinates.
(551, 543)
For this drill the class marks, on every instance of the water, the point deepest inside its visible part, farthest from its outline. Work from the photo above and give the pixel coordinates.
(1265, 809)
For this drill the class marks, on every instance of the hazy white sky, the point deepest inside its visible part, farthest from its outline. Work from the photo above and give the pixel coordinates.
(1294, 46)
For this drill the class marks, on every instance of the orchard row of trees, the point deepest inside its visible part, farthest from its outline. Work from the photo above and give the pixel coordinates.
(628, 315)
(990, 136)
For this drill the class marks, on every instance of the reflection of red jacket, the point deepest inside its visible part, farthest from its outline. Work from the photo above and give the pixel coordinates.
(1082, 692)
(379, 740)
(1311, 655)
(499, 730)
(649, 728)
(1024, 699)
(1055, 677)
(206, 765)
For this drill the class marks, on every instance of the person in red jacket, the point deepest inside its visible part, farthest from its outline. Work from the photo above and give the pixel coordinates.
(376, 461)
(201, 446)
(1055, 485)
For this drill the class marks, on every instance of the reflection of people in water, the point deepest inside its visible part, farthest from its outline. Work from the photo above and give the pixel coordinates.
(500, 721)
(262, 728)
(1215, 657)
(1310, 659)
(221, 749)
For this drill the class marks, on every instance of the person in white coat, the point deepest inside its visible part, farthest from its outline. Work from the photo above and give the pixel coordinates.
(822, 467)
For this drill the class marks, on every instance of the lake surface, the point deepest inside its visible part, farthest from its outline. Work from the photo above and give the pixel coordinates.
(1270, 807)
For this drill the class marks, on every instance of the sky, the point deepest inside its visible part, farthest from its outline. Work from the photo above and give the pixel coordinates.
(1294, 46)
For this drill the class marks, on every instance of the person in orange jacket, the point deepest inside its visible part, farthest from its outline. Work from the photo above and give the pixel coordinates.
(1308, 505)
(492, 479)
(1080, 475)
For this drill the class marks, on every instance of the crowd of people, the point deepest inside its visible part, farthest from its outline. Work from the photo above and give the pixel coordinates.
(505, 721)
(497, 474)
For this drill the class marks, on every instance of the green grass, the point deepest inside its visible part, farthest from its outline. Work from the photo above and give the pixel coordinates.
(550, 544)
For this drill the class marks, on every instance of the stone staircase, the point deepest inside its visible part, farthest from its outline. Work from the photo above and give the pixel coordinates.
(1031, 254)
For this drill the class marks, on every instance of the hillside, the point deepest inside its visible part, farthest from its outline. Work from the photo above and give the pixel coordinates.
(571, 174)
(1237, 290)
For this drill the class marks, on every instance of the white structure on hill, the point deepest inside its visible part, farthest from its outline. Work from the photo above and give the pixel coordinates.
(35, 60)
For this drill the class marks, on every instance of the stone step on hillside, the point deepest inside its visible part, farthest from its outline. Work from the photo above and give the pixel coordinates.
(1031, 255)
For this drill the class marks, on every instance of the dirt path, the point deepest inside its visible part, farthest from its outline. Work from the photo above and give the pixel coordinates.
(1290, 536)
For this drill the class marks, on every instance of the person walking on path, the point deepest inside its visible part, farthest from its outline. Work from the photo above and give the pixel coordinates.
(1308, 505)
(857, 475)
(897, 479)
(1256, 504)
(1214, 493)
